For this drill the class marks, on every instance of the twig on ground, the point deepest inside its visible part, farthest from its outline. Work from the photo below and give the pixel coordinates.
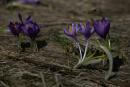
(58, 80)
(43, 79)
(5, 85)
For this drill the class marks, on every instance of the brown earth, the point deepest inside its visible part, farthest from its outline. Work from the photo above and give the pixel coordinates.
(24, 70)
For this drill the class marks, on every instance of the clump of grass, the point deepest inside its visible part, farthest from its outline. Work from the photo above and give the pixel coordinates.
(63, 41)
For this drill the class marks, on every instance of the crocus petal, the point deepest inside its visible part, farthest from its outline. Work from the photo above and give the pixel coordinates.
(71, 31)
(87, 31)
(31, 32)
(20, 17)
(102, 27)
(77, 28)
(92, 30)
(82, 28)
(31, 29)
(14, 28)
(29, 19)
(67, 33)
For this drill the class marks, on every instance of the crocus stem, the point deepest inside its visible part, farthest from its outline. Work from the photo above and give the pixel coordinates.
(19, 44)
(110, 73)
(86, 48)
(80, 56)
(34, 46)
(82, 59)
(109, 44)
(79, 50)
(77, 65)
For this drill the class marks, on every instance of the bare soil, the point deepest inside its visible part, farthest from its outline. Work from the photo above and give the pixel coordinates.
(55, 58)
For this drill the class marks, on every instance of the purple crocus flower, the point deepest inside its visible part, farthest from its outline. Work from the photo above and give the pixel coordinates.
(14, 28)
(72, 31)
(87, 30)
(102, 27)
(29, 1)
(30, 28)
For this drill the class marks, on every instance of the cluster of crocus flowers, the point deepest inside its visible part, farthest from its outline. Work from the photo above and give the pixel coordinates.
(101, 28)
(25, 28)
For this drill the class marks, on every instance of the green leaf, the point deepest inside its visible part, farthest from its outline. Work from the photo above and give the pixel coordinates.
(94, 61)
(109, 55)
